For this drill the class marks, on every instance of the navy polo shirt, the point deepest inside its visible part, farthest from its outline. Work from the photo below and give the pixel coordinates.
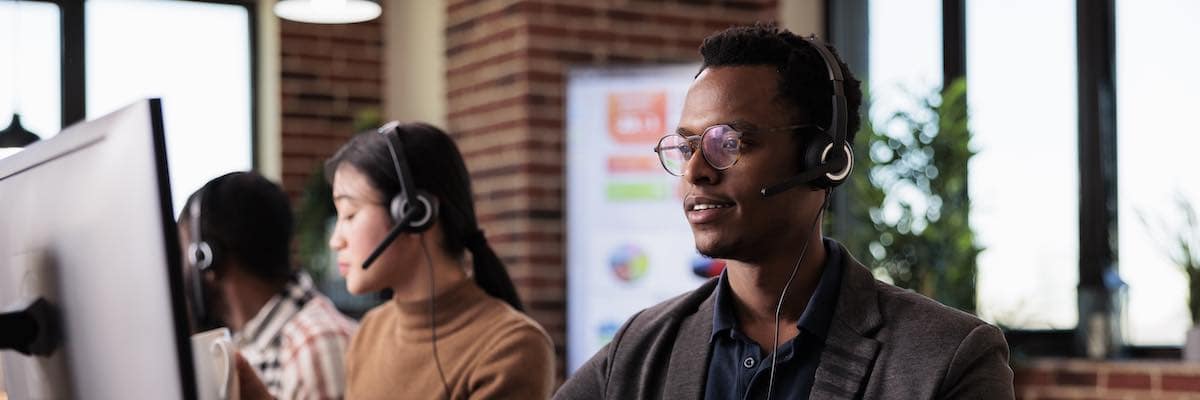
(740, 369)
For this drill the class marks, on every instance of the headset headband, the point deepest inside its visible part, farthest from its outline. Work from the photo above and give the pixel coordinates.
(199, 252)
(396, 148)
(838, 120)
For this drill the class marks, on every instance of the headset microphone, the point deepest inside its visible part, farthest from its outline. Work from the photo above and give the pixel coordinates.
(802, 178)
(412, 209)
(391, 236)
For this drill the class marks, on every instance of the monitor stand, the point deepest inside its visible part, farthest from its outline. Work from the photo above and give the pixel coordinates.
(32, 331)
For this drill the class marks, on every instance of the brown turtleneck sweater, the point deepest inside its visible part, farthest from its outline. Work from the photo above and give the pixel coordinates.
(488, 350)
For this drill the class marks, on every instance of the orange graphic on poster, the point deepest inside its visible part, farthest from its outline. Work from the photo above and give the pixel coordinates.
(637, 117)
(632, 163)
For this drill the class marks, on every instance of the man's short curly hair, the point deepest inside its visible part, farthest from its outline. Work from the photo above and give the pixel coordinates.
(803, 77)
(246, 217)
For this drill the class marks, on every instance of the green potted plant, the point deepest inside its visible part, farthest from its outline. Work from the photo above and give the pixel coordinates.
(931, 249)
(1179, 237)
(315, 216)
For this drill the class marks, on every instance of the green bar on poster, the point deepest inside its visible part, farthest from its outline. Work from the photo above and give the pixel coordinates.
(631, 191)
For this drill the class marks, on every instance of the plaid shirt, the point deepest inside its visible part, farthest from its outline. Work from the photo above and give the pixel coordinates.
(297, 343)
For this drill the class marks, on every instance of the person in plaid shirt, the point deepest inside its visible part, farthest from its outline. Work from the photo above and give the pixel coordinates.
(236, 232)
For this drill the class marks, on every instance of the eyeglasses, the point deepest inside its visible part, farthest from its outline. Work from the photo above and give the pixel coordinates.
(720, 145)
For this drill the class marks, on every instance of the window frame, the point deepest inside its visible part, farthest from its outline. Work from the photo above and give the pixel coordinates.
(73, 83)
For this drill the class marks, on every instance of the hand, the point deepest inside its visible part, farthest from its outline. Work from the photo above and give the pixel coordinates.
(251, 388)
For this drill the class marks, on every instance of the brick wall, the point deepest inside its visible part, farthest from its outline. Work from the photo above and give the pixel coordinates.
(1082, 379)
(329, 74)
(506, 65)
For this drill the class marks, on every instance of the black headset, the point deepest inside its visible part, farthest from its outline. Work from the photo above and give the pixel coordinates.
(201, 257)
(199, 252)
(425, 208)
(824, 166)
(412, 210)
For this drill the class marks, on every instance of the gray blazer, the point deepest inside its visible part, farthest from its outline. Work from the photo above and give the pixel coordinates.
(884, 343)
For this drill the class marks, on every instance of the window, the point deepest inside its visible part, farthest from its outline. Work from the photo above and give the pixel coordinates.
(193, 55)
(906, 54)
(1156, 145)
(1024, 180)
(29, 67)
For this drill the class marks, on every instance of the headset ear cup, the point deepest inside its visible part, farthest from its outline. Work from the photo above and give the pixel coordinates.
(812, 157)
(818, 151)
(846, 163)
(200, 254)
(426, 211)
(396, 207)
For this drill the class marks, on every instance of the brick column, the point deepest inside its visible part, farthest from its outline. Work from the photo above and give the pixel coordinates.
(506, 65)
(329, 74)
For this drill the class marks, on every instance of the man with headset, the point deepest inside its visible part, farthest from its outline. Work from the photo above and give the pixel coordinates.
(236, 232)
(764, 137)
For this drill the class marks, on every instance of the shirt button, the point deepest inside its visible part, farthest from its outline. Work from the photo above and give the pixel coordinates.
(748, 362)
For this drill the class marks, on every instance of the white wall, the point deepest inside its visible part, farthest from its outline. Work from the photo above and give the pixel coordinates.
(415, 61)
(803, 16)
(269, 148)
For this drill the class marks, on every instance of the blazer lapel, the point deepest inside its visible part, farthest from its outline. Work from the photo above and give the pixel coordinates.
(850, 350)
(688, 368)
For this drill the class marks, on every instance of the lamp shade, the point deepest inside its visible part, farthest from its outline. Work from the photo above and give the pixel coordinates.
(327, 11)
(16, 135)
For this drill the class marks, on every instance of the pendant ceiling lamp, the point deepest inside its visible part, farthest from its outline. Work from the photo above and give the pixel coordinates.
(327, 11)
(16, 135)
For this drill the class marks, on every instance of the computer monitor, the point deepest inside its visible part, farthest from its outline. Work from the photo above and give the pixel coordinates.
(86, 223)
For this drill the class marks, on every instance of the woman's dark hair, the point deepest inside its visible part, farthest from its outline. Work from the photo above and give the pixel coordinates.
(247, 217)
(437, 167)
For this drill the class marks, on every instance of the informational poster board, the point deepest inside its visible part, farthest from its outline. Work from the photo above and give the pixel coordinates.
(629, 245)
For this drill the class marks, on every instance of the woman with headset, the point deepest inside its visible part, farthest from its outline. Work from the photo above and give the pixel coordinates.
(454, 327)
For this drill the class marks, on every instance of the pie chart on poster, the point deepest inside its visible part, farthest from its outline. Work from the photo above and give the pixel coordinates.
(628, 262)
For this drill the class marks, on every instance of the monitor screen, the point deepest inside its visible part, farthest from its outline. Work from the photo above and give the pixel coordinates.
(86, 224)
